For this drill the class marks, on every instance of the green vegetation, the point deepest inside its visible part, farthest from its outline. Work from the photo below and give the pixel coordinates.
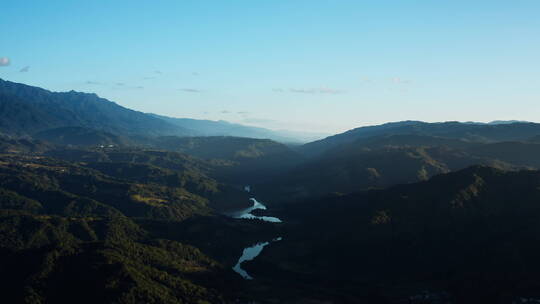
(380, 162)
(67, 230)
(102, 204)
(79, 136)
(26, 110)
(472, 234)
(51, 259)
(472, 132)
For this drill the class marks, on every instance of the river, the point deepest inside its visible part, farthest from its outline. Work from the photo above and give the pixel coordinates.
(252, 252)
(246, 213)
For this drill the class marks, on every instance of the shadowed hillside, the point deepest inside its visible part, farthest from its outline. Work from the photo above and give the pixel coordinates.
(517, 131)
(469, 236)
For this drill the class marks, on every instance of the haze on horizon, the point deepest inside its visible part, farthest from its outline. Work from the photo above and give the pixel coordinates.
(321, 66)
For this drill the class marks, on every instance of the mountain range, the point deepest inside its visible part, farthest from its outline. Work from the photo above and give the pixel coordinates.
(27, 110)
(103, 204)
(511, 131)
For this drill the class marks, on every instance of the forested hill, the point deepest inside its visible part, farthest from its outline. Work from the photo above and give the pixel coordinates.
(224, 128)
(25, 110)
(118, 227)
(464, 237)
(383, 161)
(474, 132)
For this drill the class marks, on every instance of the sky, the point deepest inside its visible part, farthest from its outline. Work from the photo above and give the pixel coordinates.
(317, 66)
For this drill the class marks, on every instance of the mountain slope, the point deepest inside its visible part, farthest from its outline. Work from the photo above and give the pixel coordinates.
(464, 131)
(352, 167)
(79, 136)
(248, 160)
(467, 237)
(224, 128)
(25, 110)
(113, 226)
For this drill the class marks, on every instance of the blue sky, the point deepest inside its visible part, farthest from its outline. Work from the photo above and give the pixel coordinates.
(324, 66)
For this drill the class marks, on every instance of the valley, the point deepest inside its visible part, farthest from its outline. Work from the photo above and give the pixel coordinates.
(140, 209)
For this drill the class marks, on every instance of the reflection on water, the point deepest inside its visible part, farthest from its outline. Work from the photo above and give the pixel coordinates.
(249, 254)
(252, 252)
(246, 213)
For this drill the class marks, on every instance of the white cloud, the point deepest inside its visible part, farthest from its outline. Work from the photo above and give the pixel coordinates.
(4, 61)
(398, 80)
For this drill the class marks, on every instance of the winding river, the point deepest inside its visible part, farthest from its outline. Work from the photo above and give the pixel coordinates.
(252, 252)
(246, 213)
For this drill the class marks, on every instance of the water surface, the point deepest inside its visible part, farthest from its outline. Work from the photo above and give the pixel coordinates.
(249, 254)
(246, 213)
(252, 252)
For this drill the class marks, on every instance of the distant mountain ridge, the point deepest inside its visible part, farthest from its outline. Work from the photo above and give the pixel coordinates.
(27, 110)
(201, 127)
(474, 132)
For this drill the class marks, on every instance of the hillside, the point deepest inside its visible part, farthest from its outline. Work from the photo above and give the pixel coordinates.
(79, 136)
(353, 167)
(249, 160)
(51, 259)
(224, 128)
(119, 225)
(61, 117)
(23, 145)
(222, 147)
(518, 131)
(49, 186)
(467, 237)
(170, 169)
(26, 110)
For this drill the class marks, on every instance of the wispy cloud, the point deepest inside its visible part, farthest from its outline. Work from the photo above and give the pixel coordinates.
(25, 69)
(4, 61)
(139, 87)
(326, 90)
(399, 80)
(366, 80)
(158, 72)
(120, 84)
(195, 74)
(225, 112)
(190, 90)
(320, 90)
(93, 82)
